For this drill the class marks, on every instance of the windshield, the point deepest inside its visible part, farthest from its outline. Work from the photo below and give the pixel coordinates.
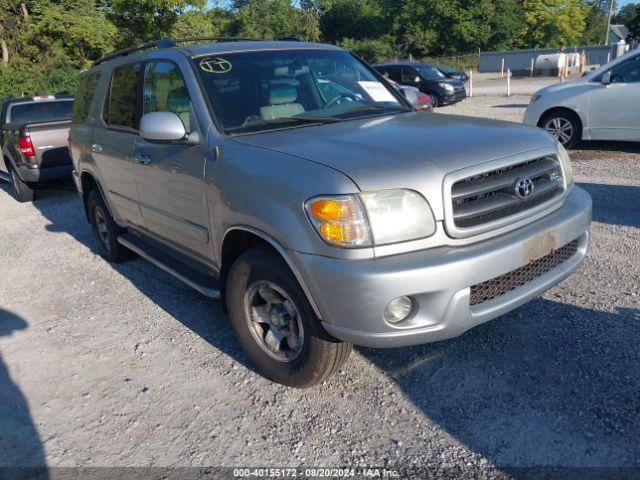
(40, 111)
(256, 91)
(429, 73)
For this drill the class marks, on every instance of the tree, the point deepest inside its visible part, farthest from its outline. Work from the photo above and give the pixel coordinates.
(550, 23)
(275, 19)
(143, 20)
(634, 24)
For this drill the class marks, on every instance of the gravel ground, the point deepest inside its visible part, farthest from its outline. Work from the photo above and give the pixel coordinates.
(105, 365)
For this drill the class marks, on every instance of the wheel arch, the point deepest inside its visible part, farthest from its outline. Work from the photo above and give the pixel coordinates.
(239, 239)
(553, 110)
(89, 182)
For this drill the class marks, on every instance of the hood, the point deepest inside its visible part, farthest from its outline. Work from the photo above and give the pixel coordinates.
(579, 83)
(411, 150)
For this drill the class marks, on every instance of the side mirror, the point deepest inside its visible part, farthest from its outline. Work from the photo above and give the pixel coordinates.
(606, 78)
(162, 127)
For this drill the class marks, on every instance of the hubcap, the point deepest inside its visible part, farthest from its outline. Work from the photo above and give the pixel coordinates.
(560, 128)
(101, 228)
(274, 321)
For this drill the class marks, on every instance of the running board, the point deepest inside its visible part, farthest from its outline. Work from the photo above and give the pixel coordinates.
(4, 176)
(205, 284)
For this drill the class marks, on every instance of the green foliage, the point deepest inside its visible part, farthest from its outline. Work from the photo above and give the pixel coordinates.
(275, 19)
(370, 49)
(551, 23)
(634, 24)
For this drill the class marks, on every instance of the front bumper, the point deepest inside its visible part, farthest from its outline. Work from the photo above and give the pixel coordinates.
(352, 295)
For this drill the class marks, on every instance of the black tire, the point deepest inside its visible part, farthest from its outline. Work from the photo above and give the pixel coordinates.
(436, 102)
(105, 229)
(320, 354)
(556, 122)
(22, 191)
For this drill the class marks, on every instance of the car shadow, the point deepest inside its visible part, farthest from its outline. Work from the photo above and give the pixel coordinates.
(617, 146)
(549, 384)
(62, 207)
(615, 204)
(21, 451)
(511, 105)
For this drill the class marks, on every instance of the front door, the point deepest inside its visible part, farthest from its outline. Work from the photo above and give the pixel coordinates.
(170, 177)
(613, 109)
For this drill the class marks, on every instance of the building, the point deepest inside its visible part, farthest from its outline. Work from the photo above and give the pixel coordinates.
(617, 33)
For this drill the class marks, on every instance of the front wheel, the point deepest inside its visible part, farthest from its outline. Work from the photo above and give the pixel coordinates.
(22, 191)
(276, 325)
(564, 126)
(435, 101)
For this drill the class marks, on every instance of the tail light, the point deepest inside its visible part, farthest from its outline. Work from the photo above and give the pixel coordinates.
(423, 101)
(25, 146)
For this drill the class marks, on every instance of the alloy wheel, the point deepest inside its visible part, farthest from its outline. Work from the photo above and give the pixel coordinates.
(274, 321)
(561, 128)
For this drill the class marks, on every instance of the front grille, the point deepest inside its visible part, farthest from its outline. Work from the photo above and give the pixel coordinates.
(510, 281)
(491, 196)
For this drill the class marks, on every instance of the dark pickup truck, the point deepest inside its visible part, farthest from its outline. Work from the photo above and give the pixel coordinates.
(34, 135)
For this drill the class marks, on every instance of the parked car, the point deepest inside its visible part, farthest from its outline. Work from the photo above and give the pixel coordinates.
(320, 219)
(421, 101)
(33, 138)
(450, 72)
(602, 105)
(428, 79)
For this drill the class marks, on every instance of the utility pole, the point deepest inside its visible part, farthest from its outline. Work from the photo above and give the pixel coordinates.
(606, 38)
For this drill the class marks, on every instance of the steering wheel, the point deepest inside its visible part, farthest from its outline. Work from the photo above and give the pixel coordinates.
(336, 100)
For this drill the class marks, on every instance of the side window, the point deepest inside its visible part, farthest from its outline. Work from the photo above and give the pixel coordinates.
(165, 91)
(121, 106)
(84, 97)
(409, 75)
(394, 73)
(627, 72)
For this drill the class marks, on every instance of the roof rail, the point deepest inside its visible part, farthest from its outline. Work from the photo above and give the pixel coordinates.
(168, 43)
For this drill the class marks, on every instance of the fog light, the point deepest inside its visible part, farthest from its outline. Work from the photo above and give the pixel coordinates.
(398, 310)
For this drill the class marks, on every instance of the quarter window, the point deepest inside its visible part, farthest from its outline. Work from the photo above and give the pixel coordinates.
(121, 107)
(165, 91)
(84, 97)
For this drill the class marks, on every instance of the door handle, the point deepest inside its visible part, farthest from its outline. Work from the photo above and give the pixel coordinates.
(143, 159)
(96, 148)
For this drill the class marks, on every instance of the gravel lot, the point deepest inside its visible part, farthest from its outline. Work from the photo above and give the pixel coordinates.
(105, 365)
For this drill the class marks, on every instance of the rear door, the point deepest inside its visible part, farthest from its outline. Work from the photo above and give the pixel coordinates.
(614, 108)
(83, 117)
(170, 177)
(112, 147)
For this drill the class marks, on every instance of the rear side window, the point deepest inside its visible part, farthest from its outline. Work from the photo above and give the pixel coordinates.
(121, 105)
(40, 111)
(84, 97)
(165, 91)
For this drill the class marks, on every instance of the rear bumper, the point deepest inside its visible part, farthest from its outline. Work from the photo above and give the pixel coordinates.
(352, 295)
(40, 175)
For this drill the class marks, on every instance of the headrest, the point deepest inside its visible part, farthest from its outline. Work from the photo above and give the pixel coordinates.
(280, 95)
(290, 70)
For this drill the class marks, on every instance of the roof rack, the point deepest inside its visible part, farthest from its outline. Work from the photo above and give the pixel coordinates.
(169, 43)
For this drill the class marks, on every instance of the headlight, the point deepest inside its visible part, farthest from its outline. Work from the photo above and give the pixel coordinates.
(392, 216)
(447, 86)
(398, 216)
(565, 160)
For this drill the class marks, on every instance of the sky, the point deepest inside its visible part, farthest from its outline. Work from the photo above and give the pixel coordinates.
(622, 3)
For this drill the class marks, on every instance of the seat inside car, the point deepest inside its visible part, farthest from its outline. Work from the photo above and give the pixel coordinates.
(282, 102)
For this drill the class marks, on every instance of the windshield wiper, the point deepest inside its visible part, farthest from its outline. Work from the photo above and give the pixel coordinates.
(365, 108)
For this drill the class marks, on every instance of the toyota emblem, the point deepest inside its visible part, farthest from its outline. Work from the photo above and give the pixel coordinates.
(524, 188)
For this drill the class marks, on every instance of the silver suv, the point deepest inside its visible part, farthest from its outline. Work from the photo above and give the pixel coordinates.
(289, 180)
